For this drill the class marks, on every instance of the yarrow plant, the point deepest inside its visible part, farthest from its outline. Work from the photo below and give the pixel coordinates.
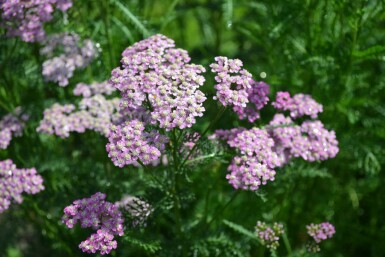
(269, 235)
(96, 213)
(319, 232)
(152, 124)
(74, 54)
(14, 182)
(11, 125)
(25, 19)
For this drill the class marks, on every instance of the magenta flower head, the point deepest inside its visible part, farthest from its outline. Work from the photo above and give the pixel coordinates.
(25, 19)
(319, 232)
(300, 105)
(269, 235)
(14, 182)
(310, 141)
(254, 166)
(102, 216)
(129, 143)
(257, 96)
(160, 78)
(11, 125)
(233, 82)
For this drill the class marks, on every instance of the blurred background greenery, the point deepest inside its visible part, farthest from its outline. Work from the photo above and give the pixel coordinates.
(331, 49)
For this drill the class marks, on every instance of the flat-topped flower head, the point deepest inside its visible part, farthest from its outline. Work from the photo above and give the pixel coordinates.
(299, 105)
(160, 78)
(129, 143)
(310, 140)
(256, 160)
(94, 112)
(14, 182)
(233, 82)
(102, 216)
(269, 235)
(25, 19)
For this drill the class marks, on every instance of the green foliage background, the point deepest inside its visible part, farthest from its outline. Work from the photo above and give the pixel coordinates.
(331, 49)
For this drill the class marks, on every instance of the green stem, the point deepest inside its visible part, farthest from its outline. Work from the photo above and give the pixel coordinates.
(287, 244)
(202, 158)
(220, 212)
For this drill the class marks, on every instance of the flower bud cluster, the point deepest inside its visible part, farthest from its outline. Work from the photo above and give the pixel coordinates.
(130, 143)
(137, 210)
(254, 166)
(60, 69)
(14, 182)
(233, 82)
(319, 232)
(102, 216)
(159, 77)
(269, 235)
(299, 105)
(11, 125)
(94, 112)
(25, 19)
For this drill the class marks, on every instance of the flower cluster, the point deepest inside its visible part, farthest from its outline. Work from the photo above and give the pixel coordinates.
(269, 235)
(96, 213)
(310, 140)
(319, 232)
(257, 160)
(137, 209)
(299, 105)
(95, 112)
(11, 125)
(159, 77)
(233, 82)
(130, 143)
(25, 19)
(14, 182)
(74, 55)
(274, 145)
(257, 99)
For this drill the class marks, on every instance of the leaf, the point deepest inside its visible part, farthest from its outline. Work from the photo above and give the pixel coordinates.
(124, 28)
(139, 25)
(241, 230)
(149, 247)
(228, 12)
(369, 52)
